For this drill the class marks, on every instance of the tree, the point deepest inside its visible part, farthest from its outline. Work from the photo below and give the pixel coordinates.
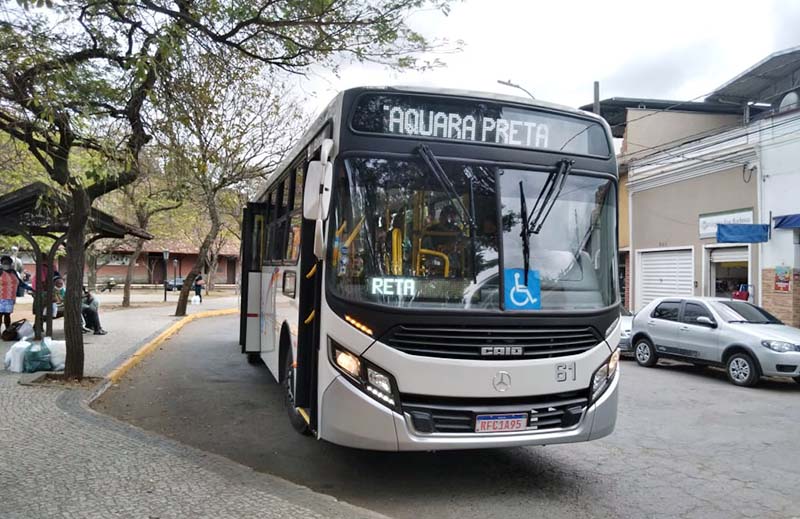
(228, 125)
(83, 76)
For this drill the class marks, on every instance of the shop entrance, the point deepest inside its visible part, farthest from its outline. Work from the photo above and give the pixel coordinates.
(729, 269)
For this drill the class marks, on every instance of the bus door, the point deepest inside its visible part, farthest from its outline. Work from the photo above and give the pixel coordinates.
(253, 232)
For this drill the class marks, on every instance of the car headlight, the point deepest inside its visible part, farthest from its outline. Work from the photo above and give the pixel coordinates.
(366, 376)
(604, 374)
(780, 346)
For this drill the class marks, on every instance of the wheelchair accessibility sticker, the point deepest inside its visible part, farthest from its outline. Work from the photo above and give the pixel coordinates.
(518, 296)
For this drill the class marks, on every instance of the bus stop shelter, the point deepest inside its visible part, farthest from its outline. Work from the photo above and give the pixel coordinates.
(40, 211)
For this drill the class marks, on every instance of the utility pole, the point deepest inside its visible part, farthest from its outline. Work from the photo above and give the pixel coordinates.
(596, 108)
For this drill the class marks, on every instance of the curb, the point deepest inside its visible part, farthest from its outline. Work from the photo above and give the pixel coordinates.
(144, 351)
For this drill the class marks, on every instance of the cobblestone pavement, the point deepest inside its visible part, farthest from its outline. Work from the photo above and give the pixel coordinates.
(58, 458)
(688, 444)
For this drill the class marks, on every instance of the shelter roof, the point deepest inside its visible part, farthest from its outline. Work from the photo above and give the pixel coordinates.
(40, 210)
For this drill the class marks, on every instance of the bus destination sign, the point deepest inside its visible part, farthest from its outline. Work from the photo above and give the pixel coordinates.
(479, 122)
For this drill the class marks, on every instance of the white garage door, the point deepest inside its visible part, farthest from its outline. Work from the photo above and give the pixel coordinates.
(665, 274)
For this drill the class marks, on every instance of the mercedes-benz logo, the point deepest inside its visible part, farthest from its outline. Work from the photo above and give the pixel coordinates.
(502, 381)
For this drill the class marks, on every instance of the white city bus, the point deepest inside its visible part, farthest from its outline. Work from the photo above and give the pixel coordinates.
(436, 269)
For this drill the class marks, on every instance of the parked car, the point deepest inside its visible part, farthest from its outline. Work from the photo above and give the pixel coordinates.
(174, 284)
(625, 327)
(745, 339)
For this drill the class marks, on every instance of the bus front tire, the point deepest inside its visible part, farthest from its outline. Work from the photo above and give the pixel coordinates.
(297, 421)
(253, 358)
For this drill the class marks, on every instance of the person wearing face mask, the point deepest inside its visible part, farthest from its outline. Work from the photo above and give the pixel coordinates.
(9, 284)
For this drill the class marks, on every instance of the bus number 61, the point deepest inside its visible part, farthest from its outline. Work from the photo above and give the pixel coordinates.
(565, 371)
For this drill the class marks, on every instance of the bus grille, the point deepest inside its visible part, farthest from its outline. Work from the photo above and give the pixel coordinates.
(470, 342)
(457, 415)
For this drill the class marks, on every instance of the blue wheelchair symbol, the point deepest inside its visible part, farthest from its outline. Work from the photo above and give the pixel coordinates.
(519, 296)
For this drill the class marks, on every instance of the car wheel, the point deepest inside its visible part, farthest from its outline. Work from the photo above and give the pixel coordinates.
(644, 353)
(253, 358)
(299, 423)
(742, 370)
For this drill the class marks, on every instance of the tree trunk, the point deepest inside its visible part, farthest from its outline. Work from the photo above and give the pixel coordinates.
(91, 262)
(126, 292)
(212, 271)
(183, 299)
(76, 257)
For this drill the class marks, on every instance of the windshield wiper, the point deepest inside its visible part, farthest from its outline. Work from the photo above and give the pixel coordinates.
(553, 186)
(433, 164)
(532, 223)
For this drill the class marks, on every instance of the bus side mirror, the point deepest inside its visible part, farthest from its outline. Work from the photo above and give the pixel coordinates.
(311, 198)
(317, 193)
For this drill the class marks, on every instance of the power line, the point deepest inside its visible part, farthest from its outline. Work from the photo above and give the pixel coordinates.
(641, 162)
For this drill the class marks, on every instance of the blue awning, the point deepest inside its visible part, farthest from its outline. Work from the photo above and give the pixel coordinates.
(742, 233)
(787, 221)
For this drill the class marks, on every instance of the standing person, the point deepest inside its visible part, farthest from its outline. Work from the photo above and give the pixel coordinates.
(198, 286)
(90, 311)
(18, 267)
(9, 283)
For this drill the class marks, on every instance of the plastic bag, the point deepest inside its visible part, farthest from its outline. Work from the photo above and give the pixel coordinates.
(58, 353)
(37, 358)
(195, 300)
(15, 356)
(25, 331)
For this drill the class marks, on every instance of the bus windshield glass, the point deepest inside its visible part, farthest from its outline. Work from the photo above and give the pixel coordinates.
(402, 236)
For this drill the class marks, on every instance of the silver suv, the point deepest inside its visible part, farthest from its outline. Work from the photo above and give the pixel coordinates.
(745, 339)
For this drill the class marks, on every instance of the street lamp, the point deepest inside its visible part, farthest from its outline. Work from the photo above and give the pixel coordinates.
(514, 85)
(166, 258)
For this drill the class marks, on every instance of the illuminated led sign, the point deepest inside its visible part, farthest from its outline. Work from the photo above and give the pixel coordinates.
(478, 121)
(404, 287)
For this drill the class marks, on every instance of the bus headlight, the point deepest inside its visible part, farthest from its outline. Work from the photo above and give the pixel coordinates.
(347, 361)
(368, 377)
(604, 374)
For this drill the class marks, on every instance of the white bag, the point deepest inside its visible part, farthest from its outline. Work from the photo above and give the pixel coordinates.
(15, 357)
(25, 331)
(58, 353)
(195, 300)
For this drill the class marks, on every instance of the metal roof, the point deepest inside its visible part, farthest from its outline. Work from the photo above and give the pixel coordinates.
(772, 76)
(614, 109)
(41, 210)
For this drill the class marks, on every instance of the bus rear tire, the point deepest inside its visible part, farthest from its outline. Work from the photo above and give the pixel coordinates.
(253, 358)
(295, 418)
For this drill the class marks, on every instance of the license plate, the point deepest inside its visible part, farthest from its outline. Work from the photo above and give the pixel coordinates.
(491, 423)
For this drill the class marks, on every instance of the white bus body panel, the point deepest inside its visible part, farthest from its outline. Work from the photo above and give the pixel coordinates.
(349, 417)
(252, 342)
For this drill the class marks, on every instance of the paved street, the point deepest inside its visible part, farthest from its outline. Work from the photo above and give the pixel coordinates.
(688, 444)
(58, 458)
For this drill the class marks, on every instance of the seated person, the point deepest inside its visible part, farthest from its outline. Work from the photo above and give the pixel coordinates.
(91, 316)
(59, 293)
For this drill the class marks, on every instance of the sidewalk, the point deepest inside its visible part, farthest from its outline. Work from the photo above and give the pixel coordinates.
(59, 458)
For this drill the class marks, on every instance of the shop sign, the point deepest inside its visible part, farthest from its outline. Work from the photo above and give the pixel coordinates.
(708, 222)
(783, 276)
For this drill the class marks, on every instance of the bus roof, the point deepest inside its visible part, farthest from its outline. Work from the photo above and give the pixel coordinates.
(333, 109)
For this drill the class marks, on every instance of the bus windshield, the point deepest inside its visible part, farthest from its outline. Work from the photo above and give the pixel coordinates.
(402, 236)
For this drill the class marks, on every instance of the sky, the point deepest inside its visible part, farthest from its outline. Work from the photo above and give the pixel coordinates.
(677, 50)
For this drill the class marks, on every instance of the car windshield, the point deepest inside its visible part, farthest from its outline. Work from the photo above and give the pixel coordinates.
(400, 236)
(742, 312)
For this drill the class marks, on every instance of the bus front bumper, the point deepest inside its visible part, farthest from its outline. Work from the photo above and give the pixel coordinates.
(351, 418)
